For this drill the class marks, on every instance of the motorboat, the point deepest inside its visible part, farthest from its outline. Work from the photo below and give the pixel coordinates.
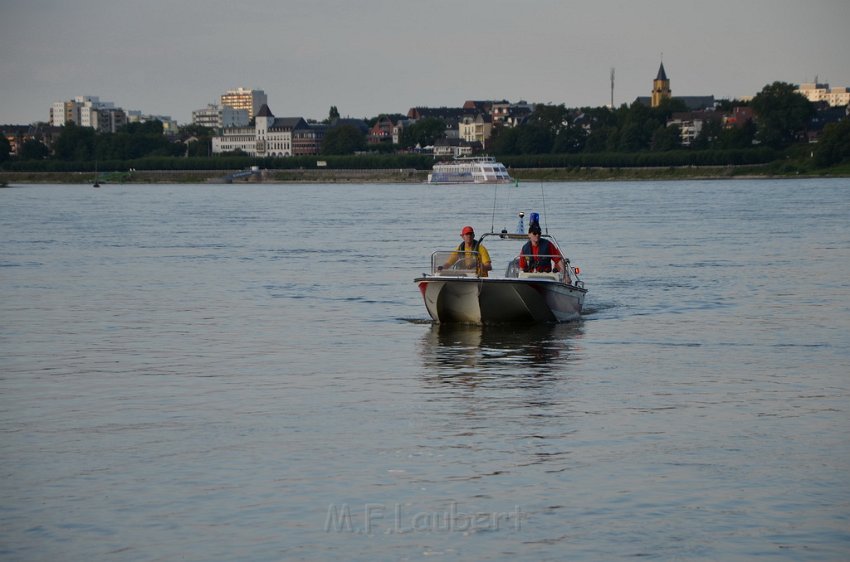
(461, 293)
(473, 169)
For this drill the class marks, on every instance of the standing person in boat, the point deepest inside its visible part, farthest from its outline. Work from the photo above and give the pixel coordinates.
(539, 254)
(465, 251)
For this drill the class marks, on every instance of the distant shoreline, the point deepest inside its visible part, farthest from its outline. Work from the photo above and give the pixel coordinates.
(403, 176)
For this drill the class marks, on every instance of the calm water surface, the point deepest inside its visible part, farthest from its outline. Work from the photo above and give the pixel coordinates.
(248, 373)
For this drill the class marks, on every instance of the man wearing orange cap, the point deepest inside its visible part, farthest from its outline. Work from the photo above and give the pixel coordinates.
(468, 248)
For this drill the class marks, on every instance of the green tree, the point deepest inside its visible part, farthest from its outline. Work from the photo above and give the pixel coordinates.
(600, 116)
(504, 141)
(345, 139)
(599, 138)
(5, 149)
(570, 140)
(603, 125)
(193, 130)
(424, 132)
(199, 147)
(554, 118)
(197, 140)
(75, 143)
(666, 138)
(561, 135)
(834, 146)
(782, 114)
(333, 114)
(148, 128)
(633, 137)
(136, 140)
(535, 139)
(738, 137)
(636, 125)
(33, 149)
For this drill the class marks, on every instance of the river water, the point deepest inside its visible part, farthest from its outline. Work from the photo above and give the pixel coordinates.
(247, 372)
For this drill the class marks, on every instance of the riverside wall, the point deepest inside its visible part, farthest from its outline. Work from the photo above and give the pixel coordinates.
(400, 175)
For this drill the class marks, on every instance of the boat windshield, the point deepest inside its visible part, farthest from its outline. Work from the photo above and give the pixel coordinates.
(453, 262)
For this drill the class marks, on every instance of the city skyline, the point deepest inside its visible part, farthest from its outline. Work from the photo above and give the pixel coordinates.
(380, 56)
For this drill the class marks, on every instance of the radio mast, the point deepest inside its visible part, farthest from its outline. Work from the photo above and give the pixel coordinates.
(612, 88)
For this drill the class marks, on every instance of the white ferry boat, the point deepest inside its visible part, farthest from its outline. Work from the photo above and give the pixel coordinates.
(477, 169)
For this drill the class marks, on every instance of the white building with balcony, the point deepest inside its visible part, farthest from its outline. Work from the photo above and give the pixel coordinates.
(478, 128)
(815, 92)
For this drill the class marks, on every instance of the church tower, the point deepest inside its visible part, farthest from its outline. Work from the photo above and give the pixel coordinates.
(264, 120)
(660, 87)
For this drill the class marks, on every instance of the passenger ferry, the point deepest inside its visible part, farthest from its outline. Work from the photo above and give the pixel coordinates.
(475, 169)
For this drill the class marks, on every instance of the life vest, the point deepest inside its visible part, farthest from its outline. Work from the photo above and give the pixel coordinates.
(462, 252)
(542, 262)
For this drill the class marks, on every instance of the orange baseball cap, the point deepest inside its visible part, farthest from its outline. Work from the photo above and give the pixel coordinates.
(467, 230)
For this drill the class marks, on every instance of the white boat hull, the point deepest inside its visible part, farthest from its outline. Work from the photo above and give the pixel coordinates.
(470, 170)
(465, 181)
(481, 300)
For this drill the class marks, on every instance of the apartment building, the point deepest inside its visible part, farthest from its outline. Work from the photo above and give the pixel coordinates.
(243, 98)
(62, 112)
(105, 119)
(815, 92)
(220, 117)
(308, 140)
(476, 128)
(691, 123)
(88, 111)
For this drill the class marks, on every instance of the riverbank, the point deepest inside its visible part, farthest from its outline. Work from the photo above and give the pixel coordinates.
(217, 176)
(408, 175)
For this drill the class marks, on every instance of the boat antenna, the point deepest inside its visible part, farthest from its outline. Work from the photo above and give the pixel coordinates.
(493, 218)
(545, 223)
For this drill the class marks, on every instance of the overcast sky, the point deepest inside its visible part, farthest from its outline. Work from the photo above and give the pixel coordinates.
(368, 57)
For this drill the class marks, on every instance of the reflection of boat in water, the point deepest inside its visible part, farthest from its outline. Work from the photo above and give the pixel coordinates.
(478, 169)
(480, 352)
(530, 294)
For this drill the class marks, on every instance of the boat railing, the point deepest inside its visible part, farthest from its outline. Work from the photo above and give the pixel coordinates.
(454, 263)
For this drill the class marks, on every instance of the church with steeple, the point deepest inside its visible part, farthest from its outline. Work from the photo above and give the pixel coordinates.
(661, 91)
(660, 87)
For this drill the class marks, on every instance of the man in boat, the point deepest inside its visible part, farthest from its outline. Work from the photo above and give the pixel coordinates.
(539, 254)
(466, 252)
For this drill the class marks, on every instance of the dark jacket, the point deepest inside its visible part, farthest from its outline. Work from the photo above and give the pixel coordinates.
(542, 262)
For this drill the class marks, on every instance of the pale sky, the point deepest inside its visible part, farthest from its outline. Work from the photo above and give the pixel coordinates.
(385, 56)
